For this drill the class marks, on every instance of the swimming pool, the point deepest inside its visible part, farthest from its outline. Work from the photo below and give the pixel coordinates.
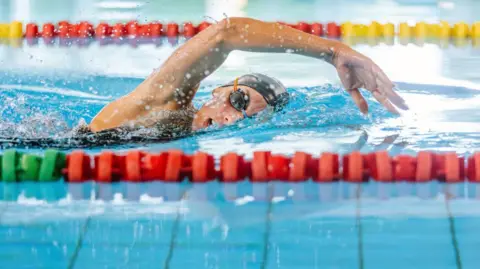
(45, 90)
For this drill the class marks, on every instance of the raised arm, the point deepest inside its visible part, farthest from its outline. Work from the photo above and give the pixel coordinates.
(174, 85)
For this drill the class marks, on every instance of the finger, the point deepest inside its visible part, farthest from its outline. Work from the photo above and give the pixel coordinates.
(382, 99)
(387, 87)
(359, 100)
(396, 99)
(393, 96)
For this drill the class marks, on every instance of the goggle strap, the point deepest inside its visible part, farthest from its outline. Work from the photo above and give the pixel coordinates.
(235, 85)
(245, 114)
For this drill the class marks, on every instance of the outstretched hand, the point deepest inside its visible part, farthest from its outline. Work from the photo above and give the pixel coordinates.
(358, 71)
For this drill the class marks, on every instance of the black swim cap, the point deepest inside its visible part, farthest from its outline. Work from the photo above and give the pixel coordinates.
(270, 88)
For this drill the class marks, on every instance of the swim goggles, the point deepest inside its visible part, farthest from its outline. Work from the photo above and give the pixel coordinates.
(239, 99)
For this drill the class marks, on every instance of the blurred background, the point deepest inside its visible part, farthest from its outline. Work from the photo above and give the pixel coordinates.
(419, 63)
(362, 11)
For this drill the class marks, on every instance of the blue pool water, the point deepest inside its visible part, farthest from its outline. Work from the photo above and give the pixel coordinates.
(319, 118)
(276, 225)
(45, 90)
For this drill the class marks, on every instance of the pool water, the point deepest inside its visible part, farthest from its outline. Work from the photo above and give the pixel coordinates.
(242, 225)
(45, 90)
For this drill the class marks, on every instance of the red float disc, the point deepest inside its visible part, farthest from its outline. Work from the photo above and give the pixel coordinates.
(85, 29)
(383, 165)
(172, 30)
(260, 166)
(48, 30)
(144, 30)
(174, 164)
(132, 28)
(78, 166)
(189, 30)
(303, 26)
(476, 161)
(453, 168)
(154, 166)
(133, 161)
(278, 167)
(156, 29)
(118, 30)
(31, 30)
(63, 29)
(404, 168)
(424, 166)
(103, 30)
(73, 30)
(327, 168)
(230, 165)
(317, 29)
(474, 168)
(104, 167)
(370, 164)
(204, 25)
(333, 30)
(353, 167)
(299, 167)
(203, 167)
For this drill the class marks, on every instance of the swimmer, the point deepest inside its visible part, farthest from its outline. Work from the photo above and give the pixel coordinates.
(165, 98)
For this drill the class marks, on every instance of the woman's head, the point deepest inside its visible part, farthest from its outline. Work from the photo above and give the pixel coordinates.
(244, 97)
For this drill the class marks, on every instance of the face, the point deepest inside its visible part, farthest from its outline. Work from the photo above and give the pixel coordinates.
(219, 110)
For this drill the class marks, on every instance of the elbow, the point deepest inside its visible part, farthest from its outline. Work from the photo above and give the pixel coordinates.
(228, 29)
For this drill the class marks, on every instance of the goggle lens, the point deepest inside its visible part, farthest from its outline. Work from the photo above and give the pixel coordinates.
(239, 100)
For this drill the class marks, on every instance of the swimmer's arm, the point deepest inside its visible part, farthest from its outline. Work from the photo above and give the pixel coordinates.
(257, 36)
(174, 84)
(354, 69)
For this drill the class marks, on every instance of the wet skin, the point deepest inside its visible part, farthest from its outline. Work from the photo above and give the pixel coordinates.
(173, 86)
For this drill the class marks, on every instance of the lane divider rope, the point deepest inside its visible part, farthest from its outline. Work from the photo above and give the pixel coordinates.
(85, 29)
(176, 166)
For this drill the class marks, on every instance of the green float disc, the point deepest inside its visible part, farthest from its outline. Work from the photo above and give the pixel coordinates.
(29, 167)
(9, 165)
(52, 165)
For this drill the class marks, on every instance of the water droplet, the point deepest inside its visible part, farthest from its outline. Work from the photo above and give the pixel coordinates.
(289, 51)
(206, 72)
(188, 76)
